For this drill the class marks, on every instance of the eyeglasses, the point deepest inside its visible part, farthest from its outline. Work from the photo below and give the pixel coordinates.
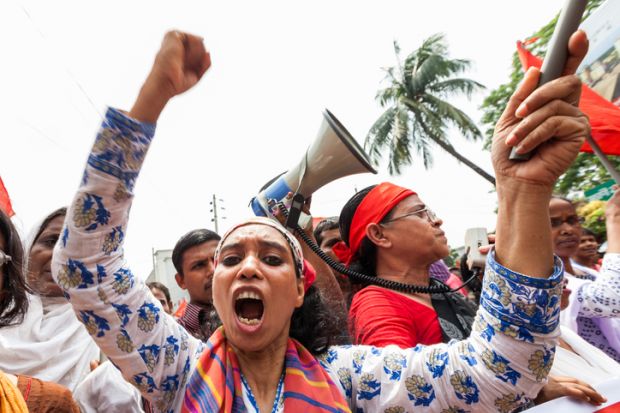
(573, 221)
(4, 259)
(430, 215)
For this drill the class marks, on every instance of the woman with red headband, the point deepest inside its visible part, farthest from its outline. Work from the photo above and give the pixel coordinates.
(257, 361)
(393, 235)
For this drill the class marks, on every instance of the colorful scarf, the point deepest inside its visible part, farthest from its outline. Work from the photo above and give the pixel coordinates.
(215, 385)
(11, 400)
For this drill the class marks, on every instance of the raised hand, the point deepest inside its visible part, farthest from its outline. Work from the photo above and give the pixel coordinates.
(612, 222)
(546, 119)
(181, 62)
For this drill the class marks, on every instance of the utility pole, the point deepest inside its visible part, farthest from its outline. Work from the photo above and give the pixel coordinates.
(214, 211)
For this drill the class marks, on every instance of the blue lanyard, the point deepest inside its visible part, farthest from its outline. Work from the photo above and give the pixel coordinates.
(276, 402)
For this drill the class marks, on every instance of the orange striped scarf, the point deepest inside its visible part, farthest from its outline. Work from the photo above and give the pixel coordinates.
(215, 385)
(11, 400)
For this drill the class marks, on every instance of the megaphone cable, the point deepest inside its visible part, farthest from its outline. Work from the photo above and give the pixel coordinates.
(437, 288)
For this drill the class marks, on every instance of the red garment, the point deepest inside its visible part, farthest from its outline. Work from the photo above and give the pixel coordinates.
(604, 116)
(380, 317)
(454, 281)
(5, 201)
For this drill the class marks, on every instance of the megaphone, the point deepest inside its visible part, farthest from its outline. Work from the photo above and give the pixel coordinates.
(333, 155)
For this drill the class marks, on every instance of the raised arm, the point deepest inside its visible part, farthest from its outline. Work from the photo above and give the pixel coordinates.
(601, 298)
(548, 121)
(153, 352)
(505, 362)
(500, 367)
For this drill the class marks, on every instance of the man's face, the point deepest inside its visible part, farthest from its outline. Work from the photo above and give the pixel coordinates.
(197, 265)
(329, 238)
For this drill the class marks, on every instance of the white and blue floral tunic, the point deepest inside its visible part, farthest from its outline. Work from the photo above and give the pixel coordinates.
(501, 367)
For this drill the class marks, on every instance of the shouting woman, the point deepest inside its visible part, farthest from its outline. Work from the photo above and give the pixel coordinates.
(274, 352)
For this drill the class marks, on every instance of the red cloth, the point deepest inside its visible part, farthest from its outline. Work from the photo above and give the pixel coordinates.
(309, 275)
(373, 208)
(181, 310)
(454, 281)
(604, 115)
(380, 317)
(5, 201)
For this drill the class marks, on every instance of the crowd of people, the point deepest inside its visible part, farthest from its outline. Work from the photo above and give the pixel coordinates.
(271, 327)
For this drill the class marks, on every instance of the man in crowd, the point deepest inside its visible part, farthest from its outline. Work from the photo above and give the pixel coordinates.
(327, 234)
(192, 257)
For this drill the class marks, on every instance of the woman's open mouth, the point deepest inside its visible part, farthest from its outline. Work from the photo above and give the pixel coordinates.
(249, 308)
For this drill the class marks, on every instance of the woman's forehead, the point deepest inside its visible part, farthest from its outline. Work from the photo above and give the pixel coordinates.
(55, 224)
(410, 202)
(255, 232)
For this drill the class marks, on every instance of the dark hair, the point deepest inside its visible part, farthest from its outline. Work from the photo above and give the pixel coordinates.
(189, 240)
(325, 225)
(13, 296)
(60, 212)
(315, 325)
(365, 260)
(161, 287)
(585, 231)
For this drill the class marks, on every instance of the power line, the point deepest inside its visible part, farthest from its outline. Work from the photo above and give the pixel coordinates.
(68, 72)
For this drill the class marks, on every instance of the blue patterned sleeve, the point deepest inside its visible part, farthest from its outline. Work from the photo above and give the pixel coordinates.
(601, 297)
(153, 352)
(501, 367)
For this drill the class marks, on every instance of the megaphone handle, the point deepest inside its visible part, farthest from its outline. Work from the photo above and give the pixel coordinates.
(294, 212)
(555, 59)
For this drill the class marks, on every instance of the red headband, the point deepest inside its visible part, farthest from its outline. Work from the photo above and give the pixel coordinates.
(309, 275)
(373, 208)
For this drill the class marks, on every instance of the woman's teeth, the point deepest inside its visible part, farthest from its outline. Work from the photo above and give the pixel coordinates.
(248, 294)
(252, 322)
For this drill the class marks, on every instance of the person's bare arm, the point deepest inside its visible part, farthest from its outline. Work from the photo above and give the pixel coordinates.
(548, 121)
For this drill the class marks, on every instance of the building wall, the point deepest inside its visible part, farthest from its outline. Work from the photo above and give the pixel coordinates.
(164, 272)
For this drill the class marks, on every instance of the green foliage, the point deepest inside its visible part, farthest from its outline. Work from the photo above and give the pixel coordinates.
(452, 259)
(417, 115)
(587, 171)
(593, 214)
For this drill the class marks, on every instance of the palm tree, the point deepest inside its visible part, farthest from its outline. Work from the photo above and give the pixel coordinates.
(417, 115)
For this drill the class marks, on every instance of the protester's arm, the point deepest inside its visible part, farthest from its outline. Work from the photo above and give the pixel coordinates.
(612, 223)
(601, 298)
(506, 360)
(153, 352)
(500, 367)
(326, 280)
(547, 121)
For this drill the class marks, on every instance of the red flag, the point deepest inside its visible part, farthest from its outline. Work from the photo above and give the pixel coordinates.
(604, 115)
(181, 310)
(5, 201)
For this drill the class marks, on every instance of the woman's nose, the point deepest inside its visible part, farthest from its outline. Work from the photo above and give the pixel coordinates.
(249, 268)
